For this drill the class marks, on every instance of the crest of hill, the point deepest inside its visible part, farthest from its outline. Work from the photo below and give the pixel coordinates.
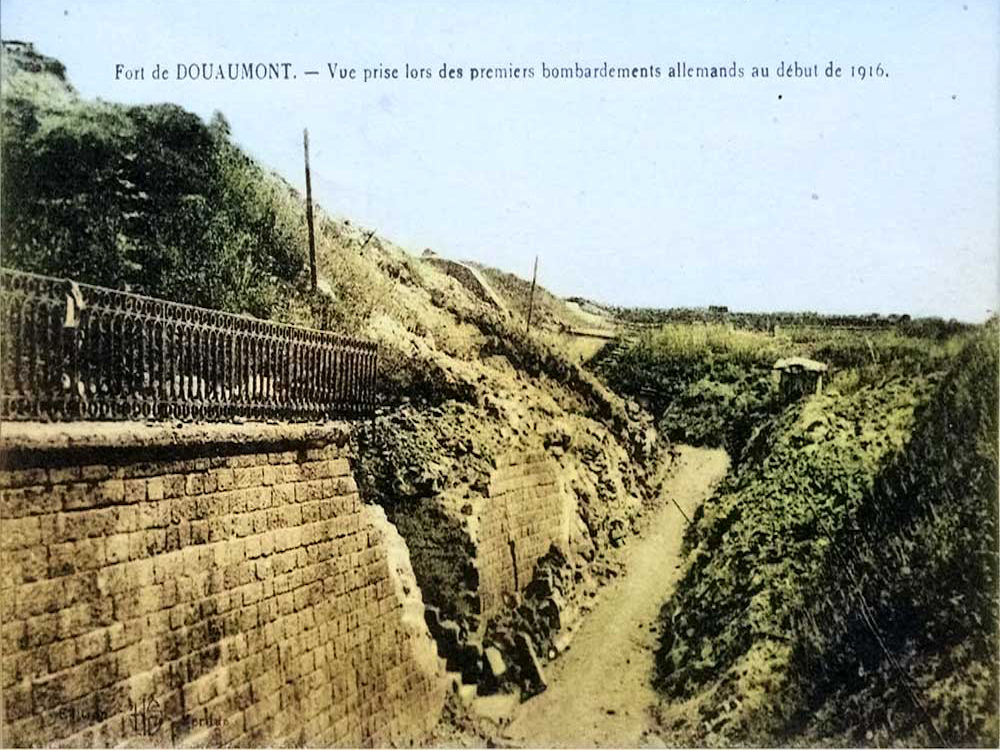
(548, 311)
(23, 70)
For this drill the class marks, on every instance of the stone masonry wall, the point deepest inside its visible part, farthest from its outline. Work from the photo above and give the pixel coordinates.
(522, 516)
(207, 594)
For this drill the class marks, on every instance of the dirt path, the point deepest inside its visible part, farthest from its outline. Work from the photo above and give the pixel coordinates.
(599, 691)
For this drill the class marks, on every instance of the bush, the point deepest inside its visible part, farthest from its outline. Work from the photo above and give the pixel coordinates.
(706, 385)
(841, 585)
(909, 613)
(145, 198)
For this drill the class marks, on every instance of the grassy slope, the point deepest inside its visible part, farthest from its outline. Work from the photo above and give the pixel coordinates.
(706, 385)
(710, 385)
(766, 637)
(548, 312)
(903, 646)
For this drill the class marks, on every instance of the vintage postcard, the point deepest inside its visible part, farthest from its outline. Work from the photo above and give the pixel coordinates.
(499, 374)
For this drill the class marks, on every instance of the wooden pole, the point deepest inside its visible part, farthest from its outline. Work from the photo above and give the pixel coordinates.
(309, 210)
(531, 298)
(367, 240)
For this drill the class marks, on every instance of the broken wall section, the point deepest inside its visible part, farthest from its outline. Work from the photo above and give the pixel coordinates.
(495, 498)
(523, 515)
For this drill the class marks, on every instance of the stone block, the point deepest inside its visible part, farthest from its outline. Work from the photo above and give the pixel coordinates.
(37, 598)
(495, 663)
(174, 485)
(251, 476)
(194, 484)
(21, 532)
(32, 501)
(224, 478)
(13, 478)
(155, 488)
(61, 655)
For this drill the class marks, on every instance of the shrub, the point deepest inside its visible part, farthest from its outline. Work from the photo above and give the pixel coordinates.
(146, 198)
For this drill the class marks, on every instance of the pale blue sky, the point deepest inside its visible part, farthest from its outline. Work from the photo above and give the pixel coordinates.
(660, 193)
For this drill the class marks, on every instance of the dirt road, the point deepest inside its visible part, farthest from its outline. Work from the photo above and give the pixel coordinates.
(599, 691)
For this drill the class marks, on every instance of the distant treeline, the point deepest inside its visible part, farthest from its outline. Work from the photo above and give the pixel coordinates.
(930, 327)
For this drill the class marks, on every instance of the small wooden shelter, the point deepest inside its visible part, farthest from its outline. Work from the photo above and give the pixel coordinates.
(798, 377)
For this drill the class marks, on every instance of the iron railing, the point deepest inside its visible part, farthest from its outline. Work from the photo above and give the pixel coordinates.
(75, 351)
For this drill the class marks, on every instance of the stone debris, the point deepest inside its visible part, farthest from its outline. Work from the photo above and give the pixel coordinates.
(495, 663)
(496, 709)
(531, 668)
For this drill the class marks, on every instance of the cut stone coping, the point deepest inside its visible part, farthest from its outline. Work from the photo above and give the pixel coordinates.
(799, 363)
(22, 436)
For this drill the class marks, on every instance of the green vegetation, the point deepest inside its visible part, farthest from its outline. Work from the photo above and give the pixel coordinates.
(705, 385)
(146, 198)
(902, 639)
(770, 321)
(712, 385)
(548, 312)
(841, 583)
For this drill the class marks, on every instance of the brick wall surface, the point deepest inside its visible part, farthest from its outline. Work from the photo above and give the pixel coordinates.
(241, 599)
(521, 519)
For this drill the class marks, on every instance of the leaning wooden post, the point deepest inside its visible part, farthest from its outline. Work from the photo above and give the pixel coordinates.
(531, 298)
(309, 210)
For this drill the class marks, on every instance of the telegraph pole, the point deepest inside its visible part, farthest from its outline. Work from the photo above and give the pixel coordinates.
(531, 299)
(309, 210)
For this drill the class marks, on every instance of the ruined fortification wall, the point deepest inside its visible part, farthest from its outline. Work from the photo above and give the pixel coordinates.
(471, 548)
(523, 515)
(206, 589)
